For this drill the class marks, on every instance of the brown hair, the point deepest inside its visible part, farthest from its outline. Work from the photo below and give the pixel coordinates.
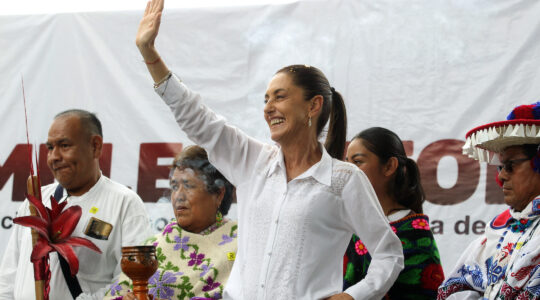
(314, 83)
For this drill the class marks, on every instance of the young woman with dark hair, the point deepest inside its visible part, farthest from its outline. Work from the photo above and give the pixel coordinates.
(380, 154)
(297, 204)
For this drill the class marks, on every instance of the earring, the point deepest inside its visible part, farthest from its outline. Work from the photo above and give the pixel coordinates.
(219, 217)
(309, 122)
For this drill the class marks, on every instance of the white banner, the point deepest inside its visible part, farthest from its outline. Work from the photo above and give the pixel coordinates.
(428, 70)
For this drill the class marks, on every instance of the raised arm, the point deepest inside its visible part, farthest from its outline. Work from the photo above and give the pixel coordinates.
(233, 152)
(146, 36)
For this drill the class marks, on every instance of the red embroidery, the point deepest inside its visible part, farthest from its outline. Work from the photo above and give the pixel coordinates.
(523, 272)
(535, 258)
(501, 220)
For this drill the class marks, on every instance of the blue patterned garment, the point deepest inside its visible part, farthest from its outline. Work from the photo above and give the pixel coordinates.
(502, 264)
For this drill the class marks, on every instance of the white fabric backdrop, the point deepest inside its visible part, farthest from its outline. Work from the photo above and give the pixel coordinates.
(428, 70)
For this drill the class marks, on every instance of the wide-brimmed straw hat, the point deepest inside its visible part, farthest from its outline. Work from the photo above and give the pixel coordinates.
(522, 126)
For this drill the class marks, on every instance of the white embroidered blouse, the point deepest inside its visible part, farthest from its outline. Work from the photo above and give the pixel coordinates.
(292, 235)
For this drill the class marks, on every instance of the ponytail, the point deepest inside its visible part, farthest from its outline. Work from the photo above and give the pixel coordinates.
(337, 128)
(406, 187)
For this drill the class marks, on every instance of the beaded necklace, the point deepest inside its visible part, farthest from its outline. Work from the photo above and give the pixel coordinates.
(515, 226)
(219, 222)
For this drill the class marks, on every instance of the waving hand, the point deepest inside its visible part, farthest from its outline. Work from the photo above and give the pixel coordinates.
(146, 36)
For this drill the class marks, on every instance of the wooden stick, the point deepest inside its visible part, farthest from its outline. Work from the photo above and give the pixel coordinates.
(31, 184)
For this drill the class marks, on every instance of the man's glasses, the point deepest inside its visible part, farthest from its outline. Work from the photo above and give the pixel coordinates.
(508, 166)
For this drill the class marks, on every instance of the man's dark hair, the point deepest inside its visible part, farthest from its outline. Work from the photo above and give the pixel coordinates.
(530, 150)
(89, 120)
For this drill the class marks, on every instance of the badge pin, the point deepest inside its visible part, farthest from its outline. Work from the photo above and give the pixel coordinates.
(98, 229)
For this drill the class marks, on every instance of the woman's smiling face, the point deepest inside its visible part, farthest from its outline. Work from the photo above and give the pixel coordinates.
(285, 110)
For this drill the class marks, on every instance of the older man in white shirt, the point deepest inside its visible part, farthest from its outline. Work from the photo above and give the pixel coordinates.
(112, 215)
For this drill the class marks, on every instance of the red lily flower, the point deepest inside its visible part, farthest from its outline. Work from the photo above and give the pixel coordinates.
(55, 228)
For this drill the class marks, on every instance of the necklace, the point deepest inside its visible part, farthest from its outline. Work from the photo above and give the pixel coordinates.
(219, 221)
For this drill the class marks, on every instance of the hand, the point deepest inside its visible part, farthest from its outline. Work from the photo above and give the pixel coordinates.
(342, 296)
(149, 25)
(146, 36)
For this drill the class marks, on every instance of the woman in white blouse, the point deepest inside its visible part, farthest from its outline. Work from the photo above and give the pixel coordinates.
(297, 206)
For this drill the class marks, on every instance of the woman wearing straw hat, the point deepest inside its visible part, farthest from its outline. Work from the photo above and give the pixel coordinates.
(505, 262)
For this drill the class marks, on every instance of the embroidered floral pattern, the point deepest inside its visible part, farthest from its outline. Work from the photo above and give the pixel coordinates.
(432, 276)
(226, 239)
(420, 224)
(169, 228)
(507, 292)
(422, 274)
(196, 259)
(447, 290)
(519, 226)
(508, 272)
(494, 271)
(507, 250)
(474, 273)
(181, 243)
(161, 283)
(210, 284)
(115, 288)
(360, 248)
(205, 269)
(203, 273)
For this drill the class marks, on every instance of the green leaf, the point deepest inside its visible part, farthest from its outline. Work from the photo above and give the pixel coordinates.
(410, 277)
(160, 256)
(150, 240)
(233, 230)
(406, 244)
(424, 242)
(170, 267)
(417, 259)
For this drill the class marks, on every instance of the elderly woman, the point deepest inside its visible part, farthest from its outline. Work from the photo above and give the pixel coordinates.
(297, 206)
(380, 154)
(196, 251)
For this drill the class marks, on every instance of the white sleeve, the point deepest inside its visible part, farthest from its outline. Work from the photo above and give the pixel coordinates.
(469, 274)
(232, 151)
(136, 224)
(9, 265)
(366, 218)
(10, 261)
